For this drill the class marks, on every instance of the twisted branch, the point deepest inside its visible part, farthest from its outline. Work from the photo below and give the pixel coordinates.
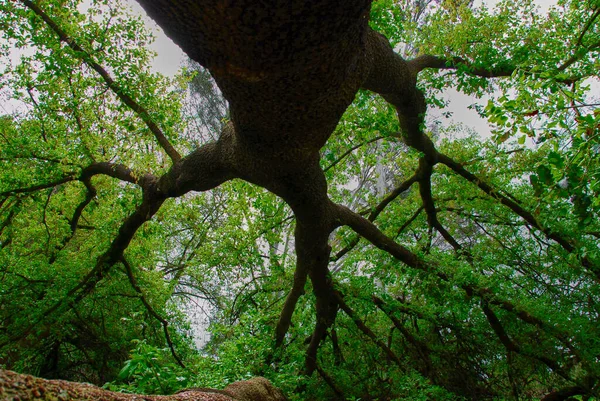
(150, 309)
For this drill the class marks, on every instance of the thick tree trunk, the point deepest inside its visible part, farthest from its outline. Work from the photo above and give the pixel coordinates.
(18, 387)
(288, 69)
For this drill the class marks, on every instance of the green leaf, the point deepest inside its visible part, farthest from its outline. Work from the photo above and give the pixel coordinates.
(544, 174)
(556, 160)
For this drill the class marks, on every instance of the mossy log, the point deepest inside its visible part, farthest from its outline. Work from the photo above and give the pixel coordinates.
(20, 387)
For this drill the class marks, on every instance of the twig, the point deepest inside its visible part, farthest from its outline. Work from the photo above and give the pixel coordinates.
(368, 332)
(565, 243)
(330, 383)
(352, 149)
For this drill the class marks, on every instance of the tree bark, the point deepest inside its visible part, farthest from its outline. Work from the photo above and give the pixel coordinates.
(288, 69)
(18, 387)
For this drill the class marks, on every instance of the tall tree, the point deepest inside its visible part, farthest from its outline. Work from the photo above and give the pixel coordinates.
(289, 73)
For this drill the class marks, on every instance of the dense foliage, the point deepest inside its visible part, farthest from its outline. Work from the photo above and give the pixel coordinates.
(506, 307)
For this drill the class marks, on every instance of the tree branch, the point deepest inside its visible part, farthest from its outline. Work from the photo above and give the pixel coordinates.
(89, 196)
(564, 394)
(420, 63)
(114, 170)
(409, 221)
(565, 243)
(110, 82)
(352, 149)
(313, 251)
(390, 76)
(426, 169)
(510, 345)
(587, 26)
(330, 383)
(577, 56)
(152, 201)
(376, 211)
(422, 348)
(14, 386)
(11, 214)
(118, 171)
(368, 332)
(370, 232)
(39, 187)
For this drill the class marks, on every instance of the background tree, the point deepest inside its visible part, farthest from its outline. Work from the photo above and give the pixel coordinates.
(479, 274)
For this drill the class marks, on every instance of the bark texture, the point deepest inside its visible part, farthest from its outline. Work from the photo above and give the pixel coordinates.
(17, 387)
(289, 70)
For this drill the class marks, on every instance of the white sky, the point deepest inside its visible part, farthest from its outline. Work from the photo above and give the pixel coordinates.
(169, 56)
(543, 4)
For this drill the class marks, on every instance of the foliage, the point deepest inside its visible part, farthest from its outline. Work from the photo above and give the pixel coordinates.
(507, 306)
(150, 370)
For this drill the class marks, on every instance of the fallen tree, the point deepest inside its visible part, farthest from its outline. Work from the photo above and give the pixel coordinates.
(14, 386)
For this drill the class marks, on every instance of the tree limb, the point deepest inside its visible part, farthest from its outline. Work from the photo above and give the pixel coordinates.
(426, 169)
(14, 386)
(420, 63)
(39, 187)
(330, 383)
(565, 243)
(511, 345)
(152, 201)
(376, 211)
(370, 232)
(587, 26)
(89, 196)
(352, 149)
(73, 224)
(118, 171)
(564, 394)
(312, 245)
(368, 332)
(422, 348)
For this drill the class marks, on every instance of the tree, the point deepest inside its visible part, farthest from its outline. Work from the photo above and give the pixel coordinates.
(289, 73)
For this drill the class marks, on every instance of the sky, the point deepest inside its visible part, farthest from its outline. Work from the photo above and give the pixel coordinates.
(169, 55)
